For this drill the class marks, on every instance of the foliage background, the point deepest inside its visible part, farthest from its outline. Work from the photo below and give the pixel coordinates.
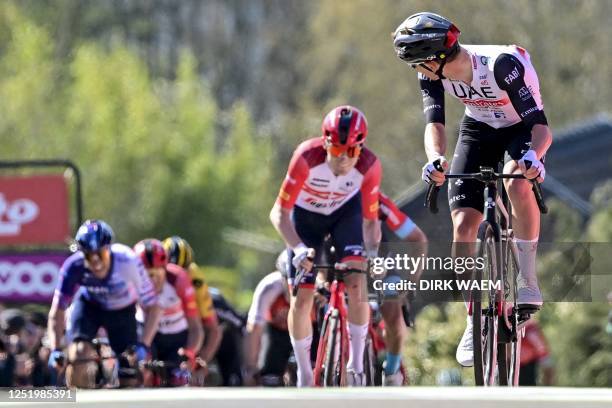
(182, 116)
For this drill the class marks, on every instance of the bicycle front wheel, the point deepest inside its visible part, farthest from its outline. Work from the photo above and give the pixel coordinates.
(485, 306)
(332, 367)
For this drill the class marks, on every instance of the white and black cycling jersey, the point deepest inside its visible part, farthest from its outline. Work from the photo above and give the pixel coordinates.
(504, 89)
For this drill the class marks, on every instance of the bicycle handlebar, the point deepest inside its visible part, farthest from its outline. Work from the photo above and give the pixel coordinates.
(485, 175)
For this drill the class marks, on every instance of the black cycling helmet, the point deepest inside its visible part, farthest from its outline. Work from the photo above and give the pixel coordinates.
(425, 37)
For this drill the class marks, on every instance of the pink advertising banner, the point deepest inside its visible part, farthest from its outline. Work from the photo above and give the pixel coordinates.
(29, 277)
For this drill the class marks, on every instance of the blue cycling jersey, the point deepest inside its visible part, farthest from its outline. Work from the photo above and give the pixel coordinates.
(126, 282)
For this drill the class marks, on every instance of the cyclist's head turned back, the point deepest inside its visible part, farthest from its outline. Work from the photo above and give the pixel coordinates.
(427, 41)
(94, 238)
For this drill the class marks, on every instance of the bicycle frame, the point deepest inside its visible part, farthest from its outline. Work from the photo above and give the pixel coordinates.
(336, 307)
(506, 322)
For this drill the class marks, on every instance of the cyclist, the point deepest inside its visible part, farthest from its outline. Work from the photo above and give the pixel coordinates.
(331, 187)
(179, 336)
(180, 253)
(268, 313)
(229, 352)
(503, 113)
(535, 354)
(108, 279)
(391, 309)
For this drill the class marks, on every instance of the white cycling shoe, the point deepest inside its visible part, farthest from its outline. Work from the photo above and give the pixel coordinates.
(393, 380)
(355, 379)
(465, 349)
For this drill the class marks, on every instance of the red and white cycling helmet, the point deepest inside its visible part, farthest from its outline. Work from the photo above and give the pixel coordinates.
(152, 253)
(345, 126)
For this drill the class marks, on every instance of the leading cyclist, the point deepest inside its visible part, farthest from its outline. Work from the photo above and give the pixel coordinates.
(503, 113)
(108, 279)
(331, 187)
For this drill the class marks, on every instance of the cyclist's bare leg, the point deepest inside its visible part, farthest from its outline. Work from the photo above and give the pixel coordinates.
(525, 212)
(395, 333)
(465, 228)
(300, 330)
(82, 368)
(358, 316)
(526, 226)
(395, 327)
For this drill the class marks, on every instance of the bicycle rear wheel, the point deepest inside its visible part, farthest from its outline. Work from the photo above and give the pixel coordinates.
(485, 308)
(369, 365)
(513, 349)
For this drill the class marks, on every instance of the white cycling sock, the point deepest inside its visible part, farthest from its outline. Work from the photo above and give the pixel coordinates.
(527, 249)
(301, 350)
(357, 336)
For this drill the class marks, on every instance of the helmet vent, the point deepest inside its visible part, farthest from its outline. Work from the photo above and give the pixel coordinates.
(344, 125)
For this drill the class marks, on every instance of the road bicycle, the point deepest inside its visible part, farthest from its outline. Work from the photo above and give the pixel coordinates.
(333, 349)
(498, 321)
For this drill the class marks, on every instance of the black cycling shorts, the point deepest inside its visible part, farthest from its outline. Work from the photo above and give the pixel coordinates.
(482, 145)
(344, 226)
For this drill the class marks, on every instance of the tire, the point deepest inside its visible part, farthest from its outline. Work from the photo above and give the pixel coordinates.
(332, 366)
(513, 348)
(484, 309)
(369, 367)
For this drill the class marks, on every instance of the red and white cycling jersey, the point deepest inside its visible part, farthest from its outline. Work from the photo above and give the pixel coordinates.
(270, 302)
(177, 300)
(311, 185)
(398, 222)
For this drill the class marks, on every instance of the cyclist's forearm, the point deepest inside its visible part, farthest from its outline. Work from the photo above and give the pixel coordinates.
(55, 327)
(541, 139)
(195, 333)
(152, 317)
(253, 344)
(435, 140)
(371, 235)
(212, 339)
(281, 219)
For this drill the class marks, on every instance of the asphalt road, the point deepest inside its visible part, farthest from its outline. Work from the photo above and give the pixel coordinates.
(404, 397)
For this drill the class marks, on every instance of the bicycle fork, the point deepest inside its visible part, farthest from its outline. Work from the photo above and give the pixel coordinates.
(336, 310)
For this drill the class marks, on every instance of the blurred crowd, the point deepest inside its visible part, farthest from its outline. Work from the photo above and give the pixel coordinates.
(23, 352)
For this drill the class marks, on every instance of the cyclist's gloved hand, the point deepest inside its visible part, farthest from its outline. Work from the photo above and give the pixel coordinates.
(430, 173)
(143, 352)
(301, 253)
(56, 359)
(536, 167)
(189, 356)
